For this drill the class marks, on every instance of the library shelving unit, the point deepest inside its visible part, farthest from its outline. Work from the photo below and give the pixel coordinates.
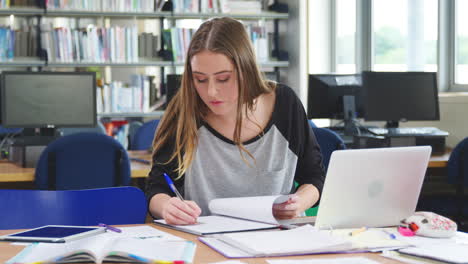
(39, 62)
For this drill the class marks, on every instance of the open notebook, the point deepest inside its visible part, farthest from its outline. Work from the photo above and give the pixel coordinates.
(134, 244)
(238, 214)
(299, 241)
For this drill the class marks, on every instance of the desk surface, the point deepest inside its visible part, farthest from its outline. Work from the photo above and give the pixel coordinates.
(10, 172)
(203, 254)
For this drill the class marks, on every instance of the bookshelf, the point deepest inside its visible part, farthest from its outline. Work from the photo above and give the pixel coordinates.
(166, 66)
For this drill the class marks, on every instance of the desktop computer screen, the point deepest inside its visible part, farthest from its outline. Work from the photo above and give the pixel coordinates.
(400, 96)
(325, 95)
(48, 99)
(173, 85)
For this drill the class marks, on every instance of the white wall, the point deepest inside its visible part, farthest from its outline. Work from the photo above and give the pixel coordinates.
(453, 117)
(293, 38)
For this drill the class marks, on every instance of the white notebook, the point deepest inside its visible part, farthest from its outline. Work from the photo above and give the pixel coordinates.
(302, 240)
(448, 252)
(299, 241)
(237, 214)
(139, 244)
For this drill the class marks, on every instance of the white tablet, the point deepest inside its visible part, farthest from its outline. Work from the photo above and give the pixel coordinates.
(53, 234)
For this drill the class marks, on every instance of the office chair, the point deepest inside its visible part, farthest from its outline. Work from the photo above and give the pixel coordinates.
(65, 131)
(83, 161)
(132, 129)
(328, 141)
(143, 138)
(33, 208)
(451, 201)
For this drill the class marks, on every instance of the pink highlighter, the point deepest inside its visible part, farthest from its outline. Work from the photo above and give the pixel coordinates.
(405, 231)
(408, 229)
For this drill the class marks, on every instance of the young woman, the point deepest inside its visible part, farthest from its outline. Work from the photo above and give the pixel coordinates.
(228, 132)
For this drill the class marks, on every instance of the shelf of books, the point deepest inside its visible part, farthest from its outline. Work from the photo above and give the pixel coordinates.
(153, 115)
(120, 14)
(242, 16)
(110, 36)
(22, 11)
(141, 62)
(20, 61)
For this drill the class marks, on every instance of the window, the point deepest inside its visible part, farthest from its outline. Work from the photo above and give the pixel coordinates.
(404, 35)
(346, 36)
(461, 42)
(349, 36)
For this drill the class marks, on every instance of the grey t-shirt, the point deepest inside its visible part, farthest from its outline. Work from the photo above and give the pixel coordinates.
(285, 152)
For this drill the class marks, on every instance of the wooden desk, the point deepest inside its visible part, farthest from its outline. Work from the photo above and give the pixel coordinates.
(440, 161)
(10, 172)
(203, 254)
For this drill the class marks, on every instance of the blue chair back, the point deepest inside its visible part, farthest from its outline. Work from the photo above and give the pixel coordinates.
(450, 200)
(33, 208)
(83, 161)
(143, 138)
(329, 141)
(457, 166)
(132, 129)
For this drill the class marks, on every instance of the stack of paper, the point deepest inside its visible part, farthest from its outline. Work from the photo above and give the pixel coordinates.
(302, 240)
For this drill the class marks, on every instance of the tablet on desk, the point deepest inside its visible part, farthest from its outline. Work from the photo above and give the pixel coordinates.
(53, 234)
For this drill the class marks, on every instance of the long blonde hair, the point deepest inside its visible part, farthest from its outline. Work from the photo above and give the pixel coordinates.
(186, 110)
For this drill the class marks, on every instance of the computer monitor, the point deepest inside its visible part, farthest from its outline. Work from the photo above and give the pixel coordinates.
(326, 91)
(336, 96)
(173, 85)
(48, 99)
(400, 96)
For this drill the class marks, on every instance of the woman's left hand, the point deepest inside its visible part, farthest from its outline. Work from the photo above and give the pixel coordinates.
(288, 209)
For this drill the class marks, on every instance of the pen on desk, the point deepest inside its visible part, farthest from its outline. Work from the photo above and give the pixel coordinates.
(357, 231)
(111, 228)
(172, 186)
(391, 235)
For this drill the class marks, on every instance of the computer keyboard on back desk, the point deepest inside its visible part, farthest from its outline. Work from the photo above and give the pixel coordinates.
(408, 131)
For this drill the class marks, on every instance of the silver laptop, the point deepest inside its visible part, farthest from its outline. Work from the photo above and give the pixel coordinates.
(372, 187)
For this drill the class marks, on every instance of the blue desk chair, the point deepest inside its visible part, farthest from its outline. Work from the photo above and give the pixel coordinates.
(144, 136)
(132, 129)
(33, 208)
(328, 141)
(442, 202)
(83, 161)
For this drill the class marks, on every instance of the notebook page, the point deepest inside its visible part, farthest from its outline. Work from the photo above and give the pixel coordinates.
(144, 232)
(257, 208)
(154, 250)
(96, 244)
(305, 239)
(372, 238)
(38, 252)
(218, 224)
(450, 252)
(348, 260)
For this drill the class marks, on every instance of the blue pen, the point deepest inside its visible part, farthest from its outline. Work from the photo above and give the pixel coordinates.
(392, 236)
(172, 186)
(111, 228)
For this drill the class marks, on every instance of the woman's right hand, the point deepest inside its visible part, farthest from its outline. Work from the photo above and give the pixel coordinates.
(178, 212)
